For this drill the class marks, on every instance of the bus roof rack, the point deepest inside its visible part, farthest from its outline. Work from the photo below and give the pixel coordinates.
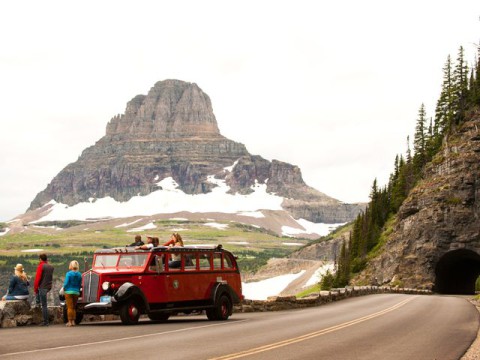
(130, 249)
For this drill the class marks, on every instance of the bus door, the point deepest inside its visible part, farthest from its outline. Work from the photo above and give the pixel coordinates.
(154, 280)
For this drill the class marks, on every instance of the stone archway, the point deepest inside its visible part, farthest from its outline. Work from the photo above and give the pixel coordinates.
(456, 272)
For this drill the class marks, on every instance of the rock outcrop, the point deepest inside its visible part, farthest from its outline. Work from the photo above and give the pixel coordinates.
(326, 249)
(19, 313)
(435, 243)
(172, 132)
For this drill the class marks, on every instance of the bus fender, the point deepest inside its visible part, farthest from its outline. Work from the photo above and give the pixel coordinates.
(127, 291)
(222, 288)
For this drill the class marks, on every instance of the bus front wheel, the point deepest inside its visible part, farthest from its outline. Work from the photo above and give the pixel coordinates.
(130, 312)
(222, 309)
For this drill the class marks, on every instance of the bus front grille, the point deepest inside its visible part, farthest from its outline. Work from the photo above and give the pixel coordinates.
(90, 287)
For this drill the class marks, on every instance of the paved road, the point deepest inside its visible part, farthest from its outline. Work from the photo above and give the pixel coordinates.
(387, 326)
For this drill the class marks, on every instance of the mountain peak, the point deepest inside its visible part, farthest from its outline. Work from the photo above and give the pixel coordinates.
(171, 109)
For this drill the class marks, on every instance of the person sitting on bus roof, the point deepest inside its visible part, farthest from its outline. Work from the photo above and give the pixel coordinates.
(151, 243)
(138, 241)
(176, 259)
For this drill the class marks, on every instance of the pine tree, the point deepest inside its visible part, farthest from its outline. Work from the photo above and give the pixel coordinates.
(475, 89)
(420, 140)
(445, 110)
(472, 91)
(460, 86)
(342, 277)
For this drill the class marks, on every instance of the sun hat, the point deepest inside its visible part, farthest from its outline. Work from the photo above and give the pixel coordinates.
(19, 267)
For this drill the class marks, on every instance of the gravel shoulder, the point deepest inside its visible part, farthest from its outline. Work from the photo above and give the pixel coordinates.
(473, 353)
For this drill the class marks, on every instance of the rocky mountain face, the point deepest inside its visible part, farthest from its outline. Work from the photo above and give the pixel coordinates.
(326, 250)
(172, 132)
(435, 242)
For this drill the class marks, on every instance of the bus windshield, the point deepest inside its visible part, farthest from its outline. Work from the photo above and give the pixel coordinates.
(120, 260)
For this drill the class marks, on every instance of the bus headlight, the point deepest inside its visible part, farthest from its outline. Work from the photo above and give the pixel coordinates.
(105, 285)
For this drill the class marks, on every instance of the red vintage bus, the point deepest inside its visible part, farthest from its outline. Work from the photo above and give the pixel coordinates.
(129, 282)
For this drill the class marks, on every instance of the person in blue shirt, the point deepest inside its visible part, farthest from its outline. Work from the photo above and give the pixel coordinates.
(18, 287)
(71, 288)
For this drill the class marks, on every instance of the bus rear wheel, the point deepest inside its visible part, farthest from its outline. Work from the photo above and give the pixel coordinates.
(222, 309)
(130, 313)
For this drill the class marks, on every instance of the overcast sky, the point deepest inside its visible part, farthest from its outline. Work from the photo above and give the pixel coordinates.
(331, 87)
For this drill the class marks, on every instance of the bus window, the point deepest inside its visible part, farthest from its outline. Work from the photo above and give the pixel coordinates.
(129, 260)
(105, 260)
(227, 262)
(190, 262)
(217, 260)
(157, 263)
(205, 261)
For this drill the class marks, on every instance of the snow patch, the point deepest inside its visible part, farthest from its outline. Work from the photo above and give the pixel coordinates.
(128, 224)
(292, 244)
(261, 290)
(217, 225)
(5, 231)
(239, 242)
(47, 227)
(31, 250)
(230, 168)
(170, 199)
(148, 226)
(254, 214)
(319, 274)
(309, 227)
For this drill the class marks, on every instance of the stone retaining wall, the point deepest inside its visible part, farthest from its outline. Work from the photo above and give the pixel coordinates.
(277, 303)
(19, 313)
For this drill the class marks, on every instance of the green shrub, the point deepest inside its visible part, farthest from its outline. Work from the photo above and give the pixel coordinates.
(327, 281)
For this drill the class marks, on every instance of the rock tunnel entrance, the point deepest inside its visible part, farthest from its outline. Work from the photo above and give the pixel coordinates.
(456, 272)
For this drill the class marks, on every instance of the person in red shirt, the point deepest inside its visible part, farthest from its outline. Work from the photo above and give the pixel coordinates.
(43, 284)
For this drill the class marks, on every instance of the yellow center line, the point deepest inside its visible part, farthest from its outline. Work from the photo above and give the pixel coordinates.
(311, 335)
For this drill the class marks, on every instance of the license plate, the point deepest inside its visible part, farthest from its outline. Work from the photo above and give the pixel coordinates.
(105, 299)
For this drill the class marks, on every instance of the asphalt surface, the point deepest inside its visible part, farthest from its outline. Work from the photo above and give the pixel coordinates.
(386, 326)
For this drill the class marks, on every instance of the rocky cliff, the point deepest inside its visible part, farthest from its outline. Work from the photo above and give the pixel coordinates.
(172, 132)
(325, 249)
(435, 242)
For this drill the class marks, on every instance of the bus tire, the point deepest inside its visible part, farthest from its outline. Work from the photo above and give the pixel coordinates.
(78, 317)
(158, 316)
(64, 314)
(222, 309)
(130, 312)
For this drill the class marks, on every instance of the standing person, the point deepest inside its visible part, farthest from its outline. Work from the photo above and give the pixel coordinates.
(71, 287)
(43, 284)
(18, 287)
